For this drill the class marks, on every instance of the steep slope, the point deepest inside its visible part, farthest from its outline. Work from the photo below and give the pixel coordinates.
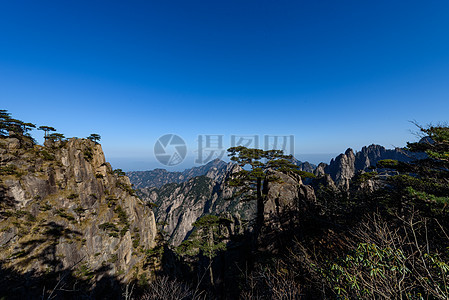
(179, 205)
(63, 208)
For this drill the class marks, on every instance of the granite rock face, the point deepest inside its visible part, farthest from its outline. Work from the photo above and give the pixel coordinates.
(180, 205)
(342, 168)
(287, 194)
(345, 166)
(63, 207)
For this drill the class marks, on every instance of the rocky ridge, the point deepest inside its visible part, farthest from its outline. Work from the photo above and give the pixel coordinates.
(179, 205)
(159, 177)
(346, 165)
(63, 208)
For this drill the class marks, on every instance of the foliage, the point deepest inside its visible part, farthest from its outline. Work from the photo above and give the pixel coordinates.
(55, 137)
(94, 137)
(8, 170)
(205, 239)
(388, 163)
(46, 130)
(208, 235)
(424, 180)
(254, 175)
(18, 127)
(389, 264)
(305, 174)
(60, 212)
(88, 154)
(164, 288)
(47, 156)
(367, 176)
(119, 172)
(126, 187)
(79, 211)
(123, 217)
(111, 201)
(72, 196)
(111, 228)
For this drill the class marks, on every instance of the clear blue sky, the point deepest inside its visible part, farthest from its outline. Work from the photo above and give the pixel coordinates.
(336, 74)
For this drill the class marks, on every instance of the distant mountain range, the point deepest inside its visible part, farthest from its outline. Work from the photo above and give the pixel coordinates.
(346, 165)
(341, 169)
(181, 198)
(159, 177)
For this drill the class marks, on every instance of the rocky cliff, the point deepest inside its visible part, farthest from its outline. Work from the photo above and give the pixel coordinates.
(345, 166)
(62, 207)
(182, 201)
(179, 205)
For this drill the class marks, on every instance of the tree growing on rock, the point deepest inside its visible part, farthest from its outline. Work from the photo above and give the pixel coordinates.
(46, 130)
(55, 137)
(207, 239)
(253, 178)
(5, 118)
(94, 137)
(8, 124)
(423, 182)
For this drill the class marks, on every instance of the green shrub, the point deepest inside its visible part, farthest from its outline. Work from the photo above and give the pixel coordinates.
(88, 154)
(387, 163)
(367, 176)
(8, 170)
(110, 228)
(113, 259)
(111, 201)
(79, 210)
(47, 156)
(305, 174)
(119, 172)
(136, 240)
(126, 188)
(46, 206)
(60, 212)
(72, 196)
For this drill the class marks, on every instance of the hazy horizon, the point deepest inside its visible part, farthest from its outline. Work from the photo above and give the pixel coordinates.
(149, 163)
(333, 74)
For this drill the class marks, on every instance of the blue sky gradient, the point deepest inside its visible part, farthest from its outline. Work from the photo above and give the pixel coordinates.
(335, 74)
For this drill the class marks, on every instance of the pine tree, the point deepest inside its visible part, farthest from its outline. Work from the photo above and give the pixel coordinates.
(424, 181)
(46, 130)
(254, 176)
(94, 137)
